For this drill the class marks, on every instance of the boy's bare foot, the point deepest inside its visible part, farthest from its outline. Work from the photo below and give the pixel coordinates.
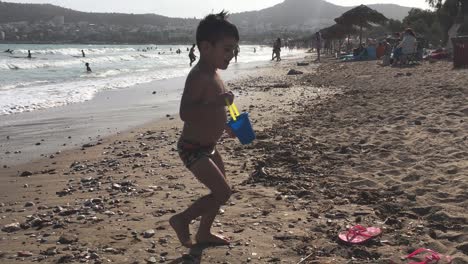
(181, 227)
(212, 239)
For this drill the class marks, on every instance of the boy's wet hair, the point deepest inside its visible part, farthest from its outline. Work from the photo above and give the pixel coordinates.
(215, 27)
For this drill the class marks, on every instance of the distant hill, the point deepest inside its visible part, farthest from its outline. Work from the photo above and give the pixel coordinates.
(14, 12)
(313, 13)
(391, 11)
(292, 13)
(290, 19)
(286, 13)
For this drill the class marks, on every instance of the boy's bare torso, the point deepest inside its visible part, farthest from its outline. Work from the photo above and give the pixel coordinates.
(208, 129)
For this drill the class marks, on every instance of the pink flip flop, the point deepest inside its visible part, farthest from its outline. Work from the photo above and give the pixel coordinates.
(434, 257)
(359, 234)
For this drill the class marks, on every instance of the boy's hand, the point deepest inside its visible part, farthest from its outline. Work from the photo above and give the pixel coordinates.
(228, 95)
(230, 132)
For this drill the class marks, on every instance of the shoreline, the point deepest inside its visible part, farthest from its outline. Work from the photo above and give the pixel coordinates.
(32, 135)
(342, 144)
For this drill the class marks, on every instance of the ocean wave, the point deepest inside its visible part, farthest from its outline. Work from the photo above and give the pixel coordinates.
(75, 51)
(21, 85)
(53, 95)
(110, 73)
(26, 64)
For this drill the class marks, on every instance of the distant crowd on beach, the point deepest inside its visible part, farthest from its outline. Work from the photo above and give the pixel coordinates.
(399, 48)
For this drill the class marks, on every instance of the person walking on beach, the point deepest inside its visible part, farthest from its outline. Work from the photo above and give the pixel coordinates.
(191, 55)
(88, 69)
(318, 44)
(83, 54)
(276, 50)
(236, 52)
(203, 111)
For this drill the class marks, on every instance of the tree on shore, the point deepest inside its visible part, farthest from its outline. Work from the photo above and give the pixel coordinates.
(455, 7)
(394, 25)
(452, 12)
(426, 24)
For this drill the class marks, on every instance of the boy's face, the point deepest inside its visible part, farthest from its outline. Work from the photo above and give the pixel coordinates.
(222, 51)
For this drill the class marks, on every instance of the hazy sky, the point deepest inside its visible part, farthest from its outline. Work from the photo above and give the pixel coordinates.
(192, 8)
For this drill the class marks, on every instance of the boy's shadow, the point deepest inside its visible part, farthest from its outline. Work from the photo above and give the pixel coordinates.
(194, 256)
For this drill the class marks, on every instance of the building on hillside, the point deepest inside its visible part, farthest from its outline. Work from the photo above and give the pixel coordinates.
(19, 24)
(57, 21)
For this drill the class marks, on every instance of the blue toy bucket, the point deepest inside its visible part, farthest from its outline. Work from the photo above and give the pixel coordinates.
(242, 128)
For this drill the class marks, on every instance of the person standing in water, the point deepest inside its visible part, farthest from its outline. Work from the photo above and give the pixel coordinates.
(318, 44)
(192, 55)
(88, 69)
(82, 53)
(29, 54)
(276, 50)
(236, 52)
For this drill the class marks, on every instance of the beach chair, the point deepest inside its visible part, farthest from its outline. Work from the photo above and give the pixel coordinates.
(411, 58)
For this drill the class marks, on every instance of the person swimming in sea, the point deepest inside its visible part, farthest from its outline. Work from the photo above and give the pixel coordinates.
(88, 69)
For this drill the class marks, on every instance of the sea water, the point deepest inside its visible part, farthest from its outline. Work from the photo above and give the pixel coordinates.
(56, 74)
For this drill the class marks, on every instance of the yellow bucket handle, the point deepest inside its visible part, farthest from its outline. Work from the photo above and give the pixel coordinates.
(232, 110)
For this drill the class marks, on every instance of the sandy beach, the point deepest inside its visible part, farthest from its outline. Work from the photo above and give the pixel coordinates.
(340, 145)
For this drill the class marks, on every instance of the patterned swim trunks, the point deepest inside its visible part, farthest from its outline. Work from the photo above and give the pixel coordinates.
(190, 152)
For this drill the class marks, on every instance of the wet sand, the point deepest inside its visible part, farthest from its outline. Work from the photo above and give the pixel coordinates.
(341, 144)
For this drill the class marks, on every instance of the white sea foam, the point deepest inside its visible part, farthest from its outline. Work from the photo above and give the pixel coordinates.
(56, 75)
(74, 51)
(26, 99)
(20, 85)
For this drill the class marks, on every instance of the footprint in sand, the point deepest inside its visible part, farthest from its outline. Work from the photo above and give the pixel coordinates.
(443, 217)
(451, 236)
(392, 172)
(452, 170)
(463, 248)
(412, 177)
(425, 210)
(362, 183)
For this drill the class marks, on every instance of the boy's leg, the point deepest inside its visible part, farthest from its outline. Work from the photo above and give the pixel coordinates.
(208, 173)
(204, 234)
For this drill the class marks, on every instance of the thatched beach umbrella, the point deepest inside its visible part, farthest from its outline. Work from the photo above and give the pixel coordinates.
(338, 32)
(362, 17)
